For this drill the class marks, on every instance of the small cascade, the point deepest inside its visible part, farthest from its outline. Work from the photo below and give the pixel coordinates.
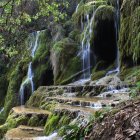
(30, 75)
(1, 110)
(86, 47)
(53, 136)
(96, 105)
(117, 26)
(77, 8)
(69, 89)
(109, 93)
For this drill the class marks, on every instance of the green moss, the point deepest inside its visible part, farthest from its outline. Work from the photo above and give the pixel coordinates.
(33, 121)
(34, 100)
(13, 121)
(129, 39)
(65, 120)
(105, 12)
(67, 64)
(73, 67)
(40, 62)
(98, 75)
(100, 70)
(13, 89)
(3, 130)
(42, 50)
(86, 8)
(71, 132)
(56, 122)
(130, 75)
(51, 124)
(75, 35)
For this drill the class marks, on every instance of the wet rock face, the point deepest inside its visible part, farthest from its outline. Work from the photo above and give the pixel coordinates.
(104, 35)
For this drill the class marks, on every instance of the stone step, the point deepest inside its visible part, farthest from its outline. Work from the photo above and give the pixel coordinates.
(75, 109)
(93, 102)
(28, 133)
(27, 116)
(80, 89)
(24, 133)
(29, 111)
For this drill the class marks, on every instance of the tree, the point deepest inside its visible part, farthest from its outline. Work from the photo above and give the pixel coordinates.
(14, 16)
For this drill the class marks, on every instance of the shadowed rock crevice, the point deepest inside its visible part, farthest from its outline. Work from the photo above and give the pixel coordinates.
(104, 44)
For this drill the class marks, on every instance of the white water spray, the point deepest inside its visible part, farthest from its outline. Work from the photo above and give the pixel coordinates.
(77, 8)
(30, 73)
(86, 46)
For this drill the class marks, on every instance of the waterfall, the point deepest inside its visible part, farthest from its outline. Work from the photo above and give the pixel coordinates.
(77, 8)
(85, 45)
(117, 26)
(33, 45)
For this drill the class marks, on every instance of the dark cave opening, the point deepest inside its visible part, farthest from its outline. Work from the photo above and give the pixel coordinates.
(46, 79)
(104, 39)
(105, 43)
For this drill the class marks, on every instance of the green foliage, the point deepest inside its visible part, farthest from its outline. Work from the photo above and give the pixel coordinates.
(64, 121)
(68, 64)
(33, 121)
(46, 9)
(129, 32)
(51, 124)
(73, 131)
(15, 80)
(15, 17)
(70, 132)
(86, 8)
(135, 91)
(12, 121)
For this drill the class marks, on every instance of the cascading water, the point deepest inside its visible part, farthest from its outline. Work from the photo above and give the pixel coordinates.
(117, 26)
(86, 47)
(77, 8)
(86, 27)
(30, 75)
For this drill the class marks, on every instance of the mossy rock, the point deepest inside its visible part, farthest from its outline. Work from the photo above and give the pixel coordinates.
(130, 75)
(50, 106)
(43, 73)
(33, 121)
(51, 124)
(129, 37)
(13, 121)
(66, 64)
(75, 35)
(98, 75)
(12, 97)
(34, 100)
(103, 39)
(65, 120)
(68, 75)
(86, 8)
(100, 70)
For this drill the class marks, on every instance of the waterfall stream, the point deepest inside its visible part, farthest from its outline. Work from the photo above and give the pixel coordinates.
(85, 45)
(29, 80)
